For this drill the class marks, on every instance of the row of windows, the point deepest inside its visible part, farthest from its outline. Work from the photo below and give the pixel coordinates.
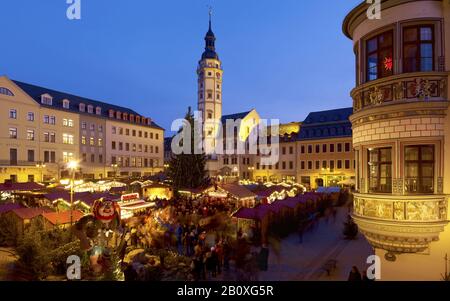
(92, 158)
(49, 156)
(134, 133)
(325, 164)
(92, 141)
(418, 169)
(134, 147)
(48, 136)
(284, 166)
(84, 126)
(47, 119)
(134, 162)
(325, 148)
(417, 51)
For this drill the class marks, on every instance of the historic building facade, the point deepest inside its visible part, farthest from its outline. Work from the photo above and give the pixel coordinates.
(43, 129)
(401, 135)
(325, 151)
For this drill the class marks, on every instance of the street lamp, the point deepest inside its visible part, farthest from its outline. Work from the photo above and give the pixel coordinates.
(72, 165)
(41, 167)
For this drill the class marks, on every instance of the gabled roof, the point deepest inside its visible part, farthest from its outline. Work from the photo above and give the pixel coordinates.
(35, 92)
(235, 116)
(29, 213)
(61, 218)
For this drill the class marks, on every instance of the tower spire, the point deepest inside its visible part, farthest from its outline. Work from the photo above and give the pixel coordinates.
(210, 16)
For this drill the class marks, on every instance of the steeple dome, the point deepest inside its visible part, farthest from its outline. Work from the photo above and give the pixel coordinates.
(210, 41)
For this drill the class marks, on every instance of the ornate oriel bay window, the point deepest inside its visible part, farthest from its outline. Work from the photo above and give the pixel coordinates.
(400, 102)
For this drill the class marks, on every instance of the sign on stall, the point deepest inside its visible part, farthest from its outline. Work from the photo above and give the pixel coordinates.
(129, 197)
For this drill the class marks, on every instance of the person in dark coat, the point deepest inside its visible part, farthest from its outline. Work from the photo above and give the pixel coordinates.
(354, 275)
(263, 258)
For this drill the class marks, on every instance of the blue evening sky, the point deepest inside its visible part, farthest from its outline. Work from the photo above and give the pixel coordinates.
(284, 58)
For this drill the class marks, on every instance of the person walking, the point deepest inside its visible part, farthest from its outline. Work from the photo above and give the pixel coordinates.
(354, 275)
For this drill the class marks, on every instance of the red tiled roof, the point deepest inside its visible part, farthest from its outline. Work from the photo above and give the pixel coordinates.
(29, 213)
(60, 218)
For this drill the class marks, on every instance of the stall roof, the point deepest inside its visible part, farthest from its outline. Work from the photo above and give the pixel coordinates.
(61, 218)
(29, 213)
(238, 191)
(21, 186)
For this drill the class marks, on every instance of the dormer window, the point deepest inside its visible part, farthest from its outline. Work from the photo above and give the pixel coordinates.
(138, 119)
(82, 107)
(118, 115)
(111, 113)
(131, 118)
(98, 111)
(46, 99)
(90, 109)
(125, 116)
(66, 104)
(6, 91)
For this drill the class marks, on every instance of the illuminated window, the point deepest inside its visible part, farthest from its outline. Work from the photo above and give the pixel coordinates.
(68, 122)
(380, 170)
(83, 140)
(419, 169)
(30, 135)
(379, 52)
(67, 157)
(52, 120)
(91, 141)
(83, 125)
(113, 129)
(30, 116)
(68, 139)
(418, 48)
(100, 142)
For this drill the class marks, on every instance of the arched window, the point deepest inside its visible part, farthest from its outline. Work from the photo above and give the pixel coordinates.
(6, 91)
